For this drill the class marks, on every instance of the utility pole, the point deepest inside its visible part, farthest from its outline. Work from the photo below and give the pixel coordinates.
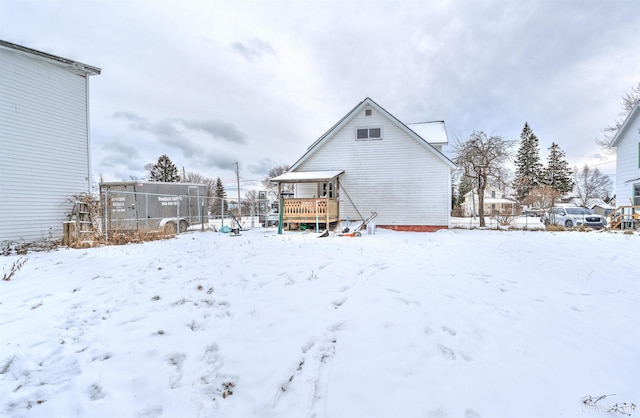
(239, 204)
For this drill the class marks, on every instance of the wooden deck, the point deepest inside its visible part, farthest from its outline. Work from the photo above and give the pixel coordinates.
(625, 217)
(302, 211)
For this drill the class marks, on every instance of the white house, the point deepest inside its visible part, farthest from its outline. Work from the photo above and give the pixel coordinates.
(44, 141)
(495, 201)
(627, 144)
(368, 162)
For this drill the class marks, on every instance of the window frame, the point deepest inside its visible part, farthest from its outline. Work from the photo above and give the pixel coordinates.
(324, 187)
(368, 131)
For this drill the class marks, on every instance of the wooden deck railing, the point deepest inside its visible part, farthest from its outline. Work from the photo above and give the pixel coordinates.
(627, 216)
(308, 210)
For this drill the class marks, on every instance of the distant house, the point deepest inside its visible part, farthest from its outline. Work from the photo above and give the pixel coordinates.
(627, 144)
(368, 162)
(44, 141)
(495, 202)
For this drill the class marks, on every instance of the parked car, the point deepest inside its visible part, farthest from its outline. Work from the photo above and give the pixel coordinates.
(533, 213)
(574, 216)
(272, 218)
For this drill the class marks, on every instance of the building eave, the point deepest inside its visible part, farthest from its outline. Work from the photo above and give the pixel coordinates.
(625, 125)
(74, 66)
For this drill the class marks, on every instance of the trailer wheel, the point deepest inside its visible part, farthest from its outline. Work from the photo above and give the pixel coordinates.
(170, 227)
(183, 226)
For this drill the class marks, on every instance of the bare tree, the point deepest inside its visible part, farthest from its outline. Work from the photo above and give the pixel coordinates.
(274, 172)
(197, 178)
(542, 197)
(629, 100)
(482, 160)
(590, 184)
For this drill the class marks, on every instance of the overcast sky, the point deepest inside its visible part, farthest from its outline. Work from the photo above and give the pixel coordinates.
(210, 83)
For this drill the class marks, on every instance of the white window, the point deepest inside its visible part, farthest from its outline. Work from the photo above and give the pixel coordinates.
(363, 134)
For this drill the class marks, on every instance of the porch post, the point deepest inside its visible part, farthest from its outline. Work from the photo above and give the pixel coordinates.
(280, 208)
(326, 226)
(338, 197)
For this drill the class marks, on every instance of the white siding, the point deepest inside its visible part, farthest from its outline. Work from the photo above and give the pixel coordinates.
(628, 161)
(397, 177)
(44, 151)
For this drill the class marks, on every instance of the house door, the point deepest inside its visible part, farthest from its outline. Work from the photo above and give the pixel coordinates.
(326, 190)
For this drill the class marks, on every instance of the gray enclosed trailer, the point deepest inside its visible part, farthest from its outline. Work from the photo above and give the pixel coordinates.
(153, 206)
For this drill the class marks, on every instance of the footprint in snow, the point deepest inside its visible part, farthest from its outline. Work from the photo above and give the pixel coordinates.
(95, 392)
(446, 352)
(176, 360)
(448, 330)
(409, 302)
(152, 412)
(338, 303)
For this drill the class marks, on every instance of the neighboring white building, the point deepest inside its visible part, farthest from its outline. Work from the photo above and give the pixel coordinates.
(627, 144)
(494, 202)
(44, 141)
(371, 162)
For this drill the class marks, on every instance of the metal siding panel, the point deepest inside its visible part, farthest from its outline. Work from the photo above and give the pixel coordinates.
(43, 146)
(396, 176)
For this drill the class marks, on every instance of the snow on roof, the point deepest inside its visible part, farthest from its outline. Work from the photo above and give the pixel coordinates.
(433, 132)
(306, 176)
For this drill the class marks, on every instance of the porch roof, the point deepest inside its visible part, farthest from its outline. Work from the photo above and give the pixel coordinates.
(307, 176)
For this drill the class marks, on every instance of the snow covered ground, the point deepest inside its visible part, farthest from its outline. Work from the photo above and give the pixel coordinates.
(458, 323)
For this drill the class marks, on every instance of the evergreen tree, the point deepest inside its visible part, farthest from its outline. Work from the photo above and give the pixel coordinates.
(164, 170)
(219, 193)
(528, 166)
(557, 174)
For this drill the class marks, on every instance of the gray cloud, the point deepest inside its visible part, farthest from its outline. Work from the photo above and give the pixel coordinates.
(223, 162)
(262, 166)
(168, 132)
(122, 148)
(254, 48)
(225, 131)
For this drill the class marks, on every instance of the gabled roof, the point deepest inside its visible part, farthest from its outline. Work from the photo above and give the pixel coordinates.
(352, 114)
(74, 66)
(625, 125)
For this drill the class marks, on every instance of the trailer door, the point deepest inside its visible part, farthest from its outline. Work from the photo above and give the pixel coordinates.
(193, 200)
(121, 207)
